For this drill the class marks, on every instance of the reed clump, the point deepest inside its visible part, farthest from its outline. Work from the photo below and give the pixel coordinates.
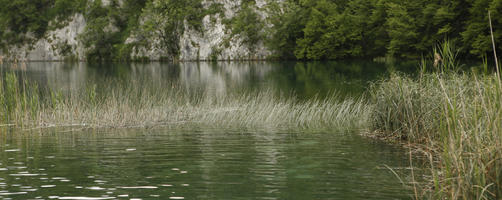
(457, 117)
(17, 100)
(117, 104)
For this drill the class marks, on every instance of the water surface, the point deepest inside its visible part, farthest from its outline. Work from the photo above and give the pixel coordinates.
(304, 79)
(197, 162)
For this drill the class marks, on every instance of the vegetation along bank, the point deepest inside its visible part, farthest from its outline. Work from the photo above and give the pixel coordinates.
(124, 30)
(452, 117)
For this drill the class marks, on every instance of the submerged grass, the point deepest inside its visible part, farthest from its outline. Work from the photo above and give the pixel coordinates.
(117, 104)
(457, 118)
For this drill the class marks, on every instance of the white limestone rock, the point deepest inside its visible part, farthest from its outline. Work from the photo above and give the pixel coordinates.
(216, 42)
(55, 45)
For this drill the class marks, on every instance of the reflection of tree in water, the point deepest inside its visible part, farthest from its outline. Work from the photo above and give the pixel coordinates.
(321, 78)
(308, 79)
(305, 79)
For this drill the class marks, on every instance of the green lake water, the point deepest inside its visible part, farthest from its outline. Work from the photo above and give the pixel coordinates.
(197, 162)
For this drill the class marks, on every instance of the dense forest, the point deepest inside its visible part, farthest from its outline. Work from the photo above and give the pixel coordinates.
(325, 29)
(292, 29)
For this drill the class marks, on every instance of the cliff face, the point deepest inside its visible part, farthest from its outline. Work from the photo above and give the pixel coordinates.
(213, 40)
(57, 44)
(217, 42)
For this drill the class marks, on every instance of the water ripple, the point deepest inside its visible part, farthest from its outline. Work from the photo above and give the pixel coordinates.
(86, 198)
(139, 187)
(199, 165)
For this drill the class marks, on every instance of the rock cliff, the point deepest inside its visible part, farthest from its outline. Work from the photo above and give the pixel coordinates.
(214, 40)
(59, 44)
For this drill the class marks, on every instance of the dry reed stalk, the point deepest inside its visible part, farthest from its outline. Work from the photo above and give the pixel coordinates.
(493, 45)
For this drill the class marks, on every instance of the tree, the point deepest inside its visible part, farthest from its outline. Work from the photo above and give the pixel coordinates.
(402, 29)
(164, 19)
(476, 36)
(288, 22)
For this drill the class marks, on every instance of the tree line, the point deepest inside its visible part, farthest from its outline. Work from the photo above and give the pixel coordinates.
(292, 29)
(333, 29)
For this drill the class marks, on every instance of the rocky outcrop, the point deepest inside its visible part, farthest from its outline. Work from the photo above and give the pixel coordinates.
(59, 44)
(216, 44)
(213, 42)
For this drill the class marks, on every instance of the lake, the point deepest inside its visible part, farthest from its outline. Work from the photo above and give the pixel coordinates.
(203, 162)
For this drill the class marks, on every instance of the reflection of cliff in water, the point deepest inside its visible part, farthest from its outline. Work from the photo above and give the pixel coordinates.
(264, 163)
(305, 79)
(56, 75)
(222, 77)
(203, 76)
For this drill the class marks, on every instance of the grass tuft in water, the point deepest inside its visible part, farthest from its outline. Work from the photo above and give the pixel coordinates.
(457, 117)
(17, 99)
(117, 104)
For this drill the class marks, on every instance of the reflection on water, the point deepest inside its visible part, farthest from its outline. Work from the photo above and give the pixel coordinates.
(197, 164)
(304, 79)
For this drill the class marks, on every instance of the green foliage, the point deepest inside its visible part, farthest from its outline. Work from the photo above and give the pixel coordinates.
(98, 36)
(323, 29)
(287, 28)
(215, 52)
(476, 36)
(20, 17)
(297, 29)
(247, 24)
(401, 28)
(166, 20)
(108, 27)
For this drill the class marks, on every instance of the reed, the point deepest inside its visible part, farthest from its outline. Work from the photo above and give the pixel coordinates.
(456, 119)
(119, 105)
